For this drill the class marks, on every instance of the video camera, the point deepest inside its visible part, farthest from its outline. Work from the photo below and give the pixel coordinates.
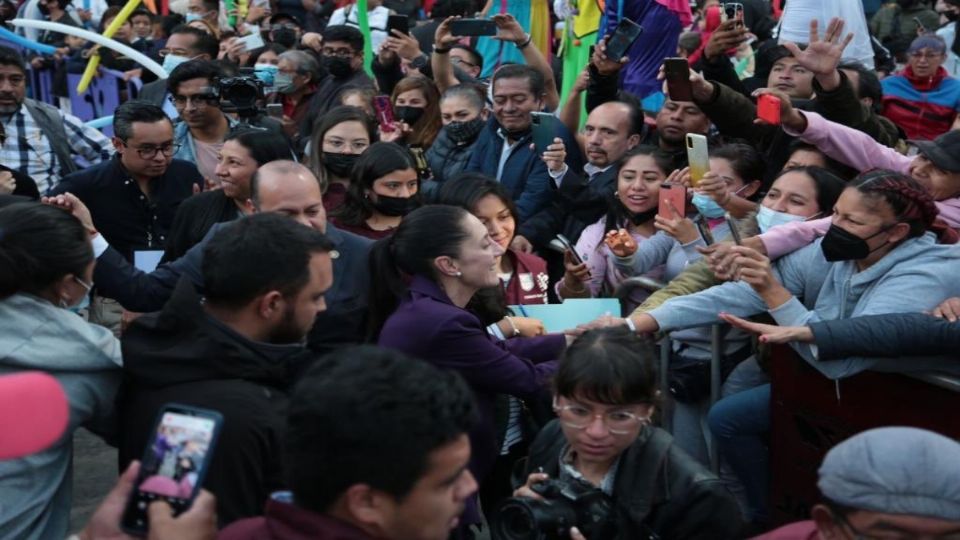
(240, 94)
(565, 504)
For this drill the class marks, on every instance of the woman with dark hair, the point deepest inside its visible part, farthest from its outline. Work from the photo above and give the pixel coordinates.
(46, 268)
(416, 108)
(242, 154)
(383, 188)
(658, 490)
(880, 256)
(338, 139)
(732, 184)
(422, 279)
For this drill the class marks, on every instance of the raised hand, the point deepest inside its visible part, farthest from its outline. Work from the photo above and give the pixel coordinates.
(822, 56)
(790, 118)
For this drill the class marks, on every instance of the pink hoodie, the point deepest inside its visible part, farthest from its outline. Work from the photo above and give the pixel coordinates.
(858, 150)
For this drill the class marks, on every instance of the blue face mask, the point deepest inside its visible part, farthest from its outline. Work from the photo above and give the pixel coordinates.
(84, 302)
(768, 219)
(171, 61)
(190, 17)
(266, 73)
(707, 207)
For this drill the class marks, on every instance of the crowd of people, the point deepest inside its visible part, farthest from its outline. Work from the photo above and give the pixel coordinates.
(335, 266)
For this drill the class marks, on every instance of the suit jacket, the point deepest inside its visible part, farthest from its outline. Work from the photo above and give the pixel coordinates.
(154, 92)
(343, 323)
(428, 325)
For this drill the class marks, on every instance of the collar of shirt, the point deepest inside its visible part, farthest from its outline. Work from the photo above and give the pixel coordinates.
(568, 470)
(506, 151)
(593, 170)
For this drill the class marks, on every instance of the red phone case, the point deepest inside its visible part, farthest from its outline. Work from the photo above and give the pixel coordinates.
(768, 109)
(673, 193)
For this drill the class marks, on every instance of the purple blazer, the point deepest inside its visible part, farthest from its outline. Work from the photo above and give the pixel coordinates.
(427, 325)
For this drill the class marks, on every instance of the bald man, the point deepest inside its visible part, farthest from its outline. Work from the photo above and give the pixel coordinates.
(284, 187)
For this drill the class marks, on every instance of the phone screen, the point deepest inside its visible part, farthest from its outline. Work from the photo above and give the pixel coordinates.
(174, 463)
(623, 37)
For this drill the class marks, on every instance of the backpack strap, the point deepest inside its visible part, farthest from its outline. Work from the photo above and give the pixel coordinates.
(51, 124)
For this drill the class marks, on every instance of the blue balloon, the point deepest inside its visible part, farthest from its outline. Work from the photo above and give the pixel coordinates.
(98, 123)
(25, 43)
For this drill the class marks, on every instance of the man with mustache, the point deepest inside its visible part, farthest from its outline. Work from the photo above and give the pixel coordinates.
(38, 140)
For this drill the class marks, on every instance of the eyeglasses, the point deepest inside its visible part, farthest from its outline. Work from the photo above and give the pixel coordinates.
(342, 53)
(457, 61)
(580, 417)
(149, 152)
(199, 100)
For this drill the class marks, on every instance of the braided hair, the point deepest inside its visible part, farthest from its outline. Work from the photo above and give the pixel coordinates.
(910, 202)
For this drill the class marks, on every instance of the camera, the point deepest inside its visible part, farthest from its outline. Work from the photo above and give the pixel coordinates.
(241, 94)
(565, 504)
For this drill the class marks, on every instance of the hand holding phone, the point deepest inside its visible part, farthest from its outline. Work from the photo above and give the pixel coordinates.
(698, 156)
(677, 73)
(734, 231)
(768, 109)
(400, 23)
(674, 195)
(622, 39)
(384, 110)
(473, 27)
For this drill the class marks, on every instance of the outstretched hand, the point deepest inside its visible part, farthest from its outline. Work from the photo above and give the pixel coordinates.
(771, 333)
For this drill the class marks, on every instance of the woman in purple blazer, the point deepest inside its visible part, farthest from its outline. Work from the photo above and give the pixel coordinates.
(422, 278)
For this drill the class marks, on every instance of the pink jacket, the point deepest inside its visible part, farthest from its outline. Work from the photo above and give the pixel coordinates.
(858, 150)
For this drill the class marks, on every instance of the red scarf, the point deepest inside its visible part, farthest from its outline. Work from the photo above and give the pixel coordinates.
(925, 84)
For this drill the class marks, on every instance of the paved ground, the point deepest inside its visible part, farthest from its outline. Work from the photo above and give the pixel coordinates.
(94, 473)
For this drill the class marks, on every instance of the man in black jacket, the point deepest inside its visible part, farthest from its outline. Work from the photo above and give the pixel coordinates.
(237, 351)
(283, 187)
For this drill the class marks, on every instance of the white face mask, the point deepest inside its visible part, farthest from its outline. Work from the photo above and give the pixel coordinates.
(768, 218)
(171, 61)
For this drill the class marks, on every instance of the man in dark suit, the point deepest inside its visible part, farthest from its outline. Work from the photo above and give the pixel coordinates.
(611, 130)
(185, 43)
(284, 187)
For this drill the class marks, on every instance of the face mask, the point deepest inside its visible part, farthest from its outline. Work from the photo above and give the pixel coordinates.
(395, 206)
(338, 66)
(285, 36)
(171, 61)
(465, 132)
(84, 302)
(842, 245)
(283, 82)
(266, 73)
(190, 17)
(340, 164)
(768, 219)
(408, 114)
(707, 207)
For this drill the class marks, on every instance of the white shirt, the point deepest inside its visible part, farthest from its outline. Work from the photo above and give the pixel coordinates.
(376, 16)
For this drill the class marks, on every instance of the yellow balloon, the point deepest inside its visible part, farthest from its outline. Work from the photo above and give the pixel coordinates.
(94, 62)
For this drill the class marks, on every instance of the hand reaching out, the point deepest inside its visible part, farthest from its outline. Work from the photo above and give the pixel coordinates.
(620, 243)
(771, 333)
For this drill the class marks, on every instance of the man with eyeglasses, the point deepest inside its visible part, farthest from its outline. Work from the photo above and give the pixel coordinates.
(133, 196)
(184, 44)
(605, 395)
(888, 483)
(39, 140)
(922, 99)
(341, 56)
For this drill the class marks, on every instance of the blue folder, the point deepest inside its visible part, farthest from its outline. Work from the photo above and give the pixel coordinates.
(560, 317)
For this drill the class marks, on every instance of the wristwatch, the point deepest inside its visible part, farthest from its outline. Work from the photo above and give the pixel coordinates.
(420, 62)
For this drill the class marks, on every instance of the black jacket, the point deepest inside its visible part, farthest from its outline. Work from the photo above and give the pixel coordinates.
(446, 158)
(155, 92)
(183, 355)
(890, 335)
(342, 324)
(658, 489)
(194, 219)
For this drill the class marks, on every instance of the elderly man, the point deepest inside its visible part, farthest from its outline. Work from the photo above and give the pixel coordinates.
(296, 83)
(893, 482)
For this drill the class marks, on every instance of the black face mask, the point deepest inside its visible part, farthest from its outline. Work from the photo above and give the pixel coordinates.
(285, 36)
(340, 164)
(338, 66)
(395, 206)
(643, 217)
(951, 16)
(842, 245)
(408, 114)
(465, 132)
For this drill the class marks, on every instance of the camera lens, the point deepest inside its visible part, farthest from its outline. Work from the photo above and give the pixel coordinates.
(530, 519)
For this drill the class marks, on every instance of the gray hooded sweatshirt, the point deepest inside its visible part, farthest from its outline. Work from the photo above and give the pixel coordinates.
(35, 335)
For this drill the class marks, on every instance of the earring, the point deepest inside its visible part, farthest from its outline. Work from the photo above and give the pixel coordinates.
(458, 274)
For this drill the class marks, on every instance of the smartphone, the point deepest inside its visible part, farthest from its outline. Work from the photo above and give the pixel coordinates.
(545, 127)
(398, 22)
(592, 49)
(384, 109)
(677, 72)
(251, 41)
(275, 110)
(622, 39)
(734, 231)
(568, 245)
(768, 109)
(675, 194)
(473, 27)
(174, 464)
(733, 11)
(704, 228)
(921, 29)
(698, 157)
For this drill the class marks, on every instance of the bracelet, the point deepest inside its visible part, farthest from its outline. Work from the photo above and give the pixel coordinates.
(526, 43)
(439, 50)
(631, 325)
(516, 331)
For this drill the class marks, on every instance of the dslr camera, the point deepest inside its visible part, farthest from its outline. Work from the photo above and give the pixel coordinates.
(241, 94)
(566, 504)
